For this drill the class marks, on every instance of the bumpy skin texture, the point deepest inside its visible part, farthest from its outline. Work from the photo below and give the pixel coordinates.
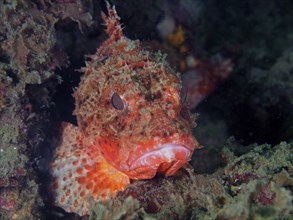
(131, 123)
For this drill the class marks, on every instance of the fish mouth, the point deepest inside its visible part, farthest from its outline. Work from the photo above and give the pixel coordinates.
(167, 159)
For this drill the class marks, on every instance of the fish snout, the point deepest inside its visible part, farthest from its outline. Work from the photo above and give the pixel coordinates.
(167, 159)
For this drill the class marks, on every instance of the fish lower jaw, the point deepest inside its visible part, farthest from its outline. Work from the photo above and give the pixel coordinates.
(166, 160)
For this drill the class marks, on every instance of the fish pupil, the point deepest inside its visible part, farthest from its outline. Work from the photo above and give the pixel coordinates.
(117, 101)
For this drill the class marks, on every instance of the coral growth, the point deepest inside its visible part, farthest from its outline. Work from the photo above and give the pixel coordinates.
(8, 200)
(27, 36)
(43, 40)
(255, 185)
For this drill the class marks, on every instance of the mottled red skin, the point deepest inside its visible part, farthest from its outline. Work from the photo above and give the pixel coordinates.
(150, 90)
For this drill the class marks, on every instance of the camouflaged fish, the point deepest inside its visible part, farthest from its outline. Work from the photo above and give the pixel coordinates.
(132, 123)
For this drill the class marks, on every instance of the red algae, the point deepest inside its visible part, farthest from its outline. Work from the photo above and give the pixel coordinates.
(8, 200)
(265, 195)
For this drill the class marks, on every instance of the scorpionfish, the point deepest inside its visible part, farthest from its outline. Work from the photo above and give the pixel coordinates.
(131, 123)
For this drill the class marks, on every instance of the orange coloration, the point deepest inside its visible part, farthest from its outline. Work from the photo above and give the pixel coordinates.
(178, 37)
(82, 180)
(82, 194)
(131, 123)
(139, 64)
(89, 185)
(79, 170)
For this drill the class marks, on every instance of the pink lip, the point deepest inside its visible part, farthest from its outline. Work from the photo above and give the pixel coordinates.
(168, 153)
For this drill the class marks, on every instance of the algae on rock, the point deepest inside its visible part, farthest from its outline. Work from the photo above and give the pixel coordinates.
(257, 184)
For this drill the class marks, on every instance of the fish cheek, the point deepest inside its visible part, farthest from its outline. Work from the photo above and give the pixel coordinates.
(110, 149)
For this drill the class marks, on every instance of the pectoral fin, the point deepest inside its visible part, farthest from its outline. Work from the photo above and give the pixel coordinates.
(80, 173)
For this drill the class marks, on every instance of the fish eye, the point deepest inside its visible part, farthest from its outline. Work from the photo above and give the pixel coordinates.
(116, 101)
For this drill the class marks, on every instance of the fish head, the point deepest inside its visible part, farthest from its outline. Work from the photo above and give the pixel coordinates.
(129, 104)
(159, 128)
